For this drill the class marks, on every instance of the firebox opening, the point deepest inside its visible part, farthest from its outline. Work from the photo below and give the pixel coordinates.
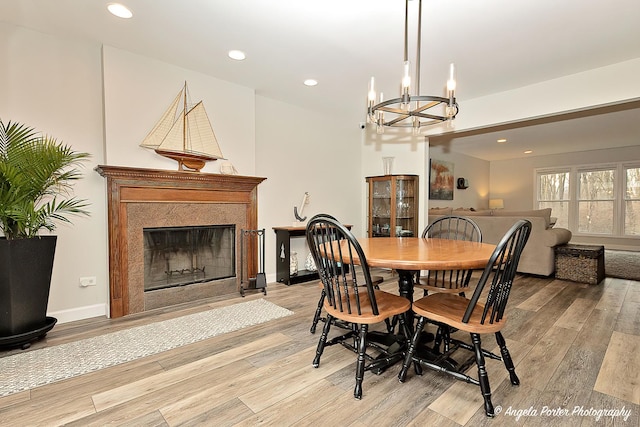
(179, 256)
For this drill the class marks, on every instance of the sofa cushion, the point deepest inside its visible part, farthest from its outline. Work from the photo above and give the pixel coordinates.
(538, 256)
(556, 236)
(440, 211)
(544, 213)
(469, 212)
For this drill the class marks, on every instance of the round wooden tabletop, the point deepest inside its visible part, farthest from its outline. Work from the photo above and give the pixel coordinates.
(413, 253)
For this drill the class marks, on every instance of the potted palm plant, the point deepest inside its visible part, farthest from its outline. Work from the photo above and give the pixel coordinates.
(36, 173)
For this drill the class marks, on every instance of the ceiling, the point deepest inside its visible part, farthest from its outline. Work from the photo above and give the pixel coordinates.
(497, 45)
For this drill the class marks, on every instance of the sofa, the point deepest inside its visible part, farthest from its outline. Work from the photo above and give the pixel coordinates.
(538, 256)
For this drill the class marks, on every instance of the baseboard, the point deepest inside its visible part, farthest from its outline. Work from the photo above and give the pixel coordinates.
(80, 313)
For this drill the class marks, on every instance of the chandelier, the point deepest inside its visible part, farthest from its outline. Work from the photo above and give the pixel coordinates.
(408, 110)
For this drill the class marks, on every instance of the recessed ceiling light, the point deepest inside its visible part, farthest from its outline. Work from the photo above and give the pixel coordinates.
(310, 82)
(119, 10)
(238, 55)
(528, 152)
(502, 141)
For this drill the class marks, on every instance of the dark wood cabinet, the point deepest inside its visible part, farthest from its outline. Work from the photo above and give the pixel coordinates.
(283, 256)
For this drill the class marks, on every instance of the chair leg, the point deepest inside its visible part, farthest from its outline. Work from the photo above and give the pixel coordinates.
(506, 358)
(437, 340)
(443, 336)
(483, 378)
(387, 322)
(391, 324)
(322, 341)
(446, 337)
(404, 327)
(362, 347)
(316, 317)
(411, 350)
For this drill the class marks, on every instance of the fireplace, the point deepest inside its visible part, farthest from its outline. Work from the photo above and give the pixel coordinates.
(181, 256)
(142, 200)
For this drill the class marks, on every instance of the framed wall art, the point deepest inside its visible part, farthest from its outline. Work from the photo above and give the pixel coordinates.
(441, 181)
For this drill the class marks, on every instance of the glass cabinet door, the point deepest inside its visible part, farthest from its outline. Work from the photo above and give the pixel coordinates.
(405, 223)
(393, 206)
(381, 208)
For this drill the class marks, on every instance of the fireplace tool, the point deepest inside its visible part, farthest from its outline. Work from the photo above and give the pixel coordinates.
(259, 282)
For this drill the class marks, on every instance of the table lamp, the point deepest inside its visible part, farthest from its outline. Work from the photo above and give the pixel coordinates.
(496, 204)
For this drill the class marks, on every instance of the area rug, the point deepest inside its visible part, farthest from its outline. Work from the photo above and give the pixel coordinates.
(35, 368)
(622, 264)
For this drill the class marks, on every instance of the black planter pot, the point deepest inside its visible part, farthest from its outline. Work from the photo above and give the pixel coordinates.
(25, 279)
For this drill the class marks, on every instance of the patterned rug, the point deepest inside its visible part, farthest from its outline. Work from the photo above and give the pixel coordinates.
(35, 368)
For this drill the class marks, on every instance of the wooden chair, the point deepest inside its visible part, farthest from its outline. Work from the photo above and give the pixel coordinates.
(474, 317)
(317, 317)
(452, 228)
(448, 281)
(350, 296)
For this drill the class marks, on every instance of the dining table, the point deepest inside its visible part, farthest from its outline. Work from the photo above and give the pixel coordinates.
(407, 256)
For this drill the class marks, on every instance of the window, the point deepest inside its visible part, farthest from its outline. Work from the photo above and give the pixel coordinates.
(592, 200)
(553, 192)
(596, 201)
(632, 202)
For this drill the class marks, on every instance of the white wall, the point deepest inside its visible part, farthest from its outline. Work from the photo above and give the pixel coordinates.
(602, 86)
(300, 151)
(138, 90)
(475, 170)
(409, 155)
(54, 85)
(513, 181)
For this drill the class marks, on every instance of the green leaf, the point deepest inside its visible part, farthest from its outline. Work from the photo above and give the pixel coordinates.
(36, 176)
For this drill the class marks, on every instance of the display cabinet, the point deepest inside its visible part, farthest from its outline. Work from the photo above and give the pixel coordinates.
(393, 206)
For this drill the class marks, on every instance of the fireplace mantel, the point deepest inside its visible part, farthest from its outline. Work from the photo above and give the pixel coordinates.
(138, 187)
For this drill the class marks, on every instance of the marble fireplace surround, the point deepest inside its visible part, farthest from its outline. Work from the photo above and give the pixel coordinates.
(140, 198)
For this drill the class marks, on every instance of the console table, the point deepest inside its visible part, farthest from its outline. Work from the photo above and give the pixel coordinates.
(283, 255)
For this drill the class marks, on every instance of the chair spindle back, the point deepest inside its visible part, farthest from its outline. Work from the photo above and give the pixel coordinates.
(335, 251)
(500, 272)
(451, 227)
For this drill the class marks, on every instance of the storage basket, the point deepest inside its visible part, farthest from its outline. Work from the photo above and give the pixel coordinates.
(580, 263)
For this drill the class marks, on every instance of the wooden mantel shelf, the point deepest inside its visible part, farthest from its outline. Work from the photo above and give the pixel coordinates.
(129, 186)
(222, 182)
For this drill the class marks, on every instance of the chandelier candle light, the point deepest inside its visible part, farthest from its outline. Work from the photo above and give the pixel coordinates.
(407, 111)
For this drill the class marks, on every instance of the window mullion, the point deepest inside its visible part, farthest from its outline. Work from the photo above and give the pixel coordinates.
(573, 202)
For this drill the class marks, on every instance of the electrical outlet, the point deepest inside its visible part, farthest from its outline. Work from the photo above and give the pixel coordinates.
(87, 281)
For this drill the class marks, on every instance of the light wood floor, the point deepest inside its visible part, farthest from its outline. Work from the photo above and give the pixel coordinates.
(574, 345)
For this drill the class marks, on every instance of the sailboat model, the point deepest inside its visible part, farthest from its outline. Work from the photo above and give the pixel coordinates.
(184, 134)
